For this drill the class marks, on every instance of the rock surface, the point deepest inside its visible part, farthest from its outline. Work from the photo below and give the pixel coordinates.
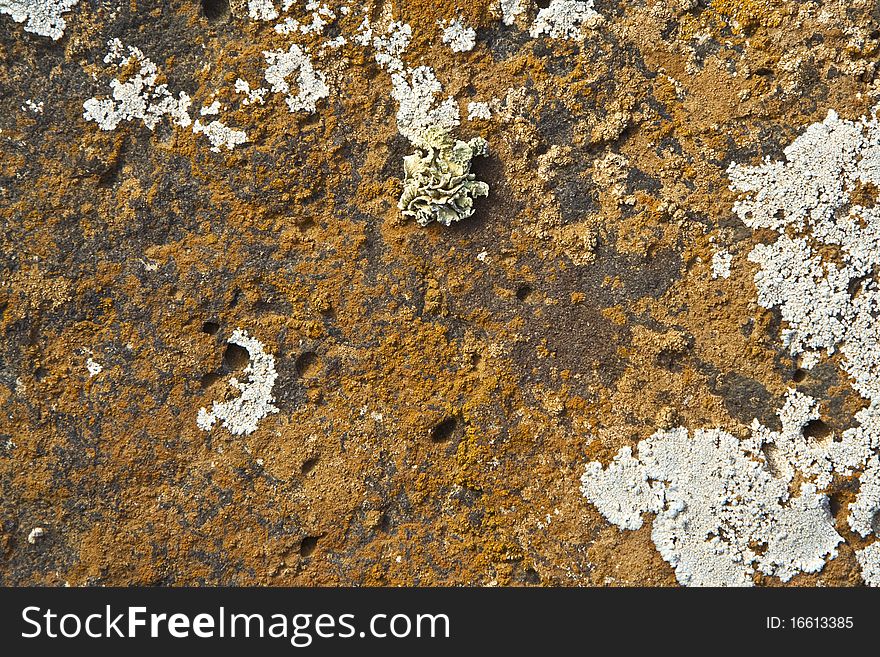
(439, 390)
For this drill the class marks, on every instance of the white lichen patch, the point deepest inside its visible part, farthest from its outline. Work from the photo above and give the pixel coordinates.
(139, 97)
(210, 110)
(36, 108)
(821, 273)
(565, 19)
(252, 95)
(863, 512)
(242, 414)
(311, 84)
(438, 184)
(43, 17)
(622, 492)
(93, 367)
(510, 9)
(721, 264)
(703, 526)
(817, 460)
(869, 560)
(262, 10)
(458, 36)
(321, 16)
(35, 535)
(287, 26)
(478, 110)
(418, 113)
(828, 304)
(721, 513)
(390, 45)
(334, 43)
(220, 134)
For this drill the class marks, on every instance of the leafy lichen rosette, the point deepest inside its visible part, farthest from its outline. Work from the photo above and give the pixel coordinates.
(438, 184)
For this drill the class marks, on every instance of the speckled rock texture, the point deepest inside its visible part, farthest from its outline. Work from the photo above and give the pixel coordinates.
(425, 400)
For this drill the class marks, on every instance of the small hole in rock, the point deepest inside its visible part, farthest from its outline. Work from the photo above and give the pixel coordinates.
(215, 10)
(306, 224)
(543, 4)
(855, 285)
(523, 292)
(309, 465)
(210, 328)
(834, 505)
(307, 364)
(308, 545)
(443, 431)
(817, 430)
(110, 176)
(210, 379)
(235, 357)
(41, 373)
(799, 375)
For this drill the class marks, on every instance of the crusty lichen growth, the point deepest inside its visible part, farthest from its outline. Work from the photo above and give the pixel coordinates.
(748, 14)
(438, 184)
(43, 17)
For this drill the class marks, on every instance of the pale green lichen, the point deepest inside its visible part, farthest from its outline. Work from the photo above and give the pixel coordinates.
(438, 184)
